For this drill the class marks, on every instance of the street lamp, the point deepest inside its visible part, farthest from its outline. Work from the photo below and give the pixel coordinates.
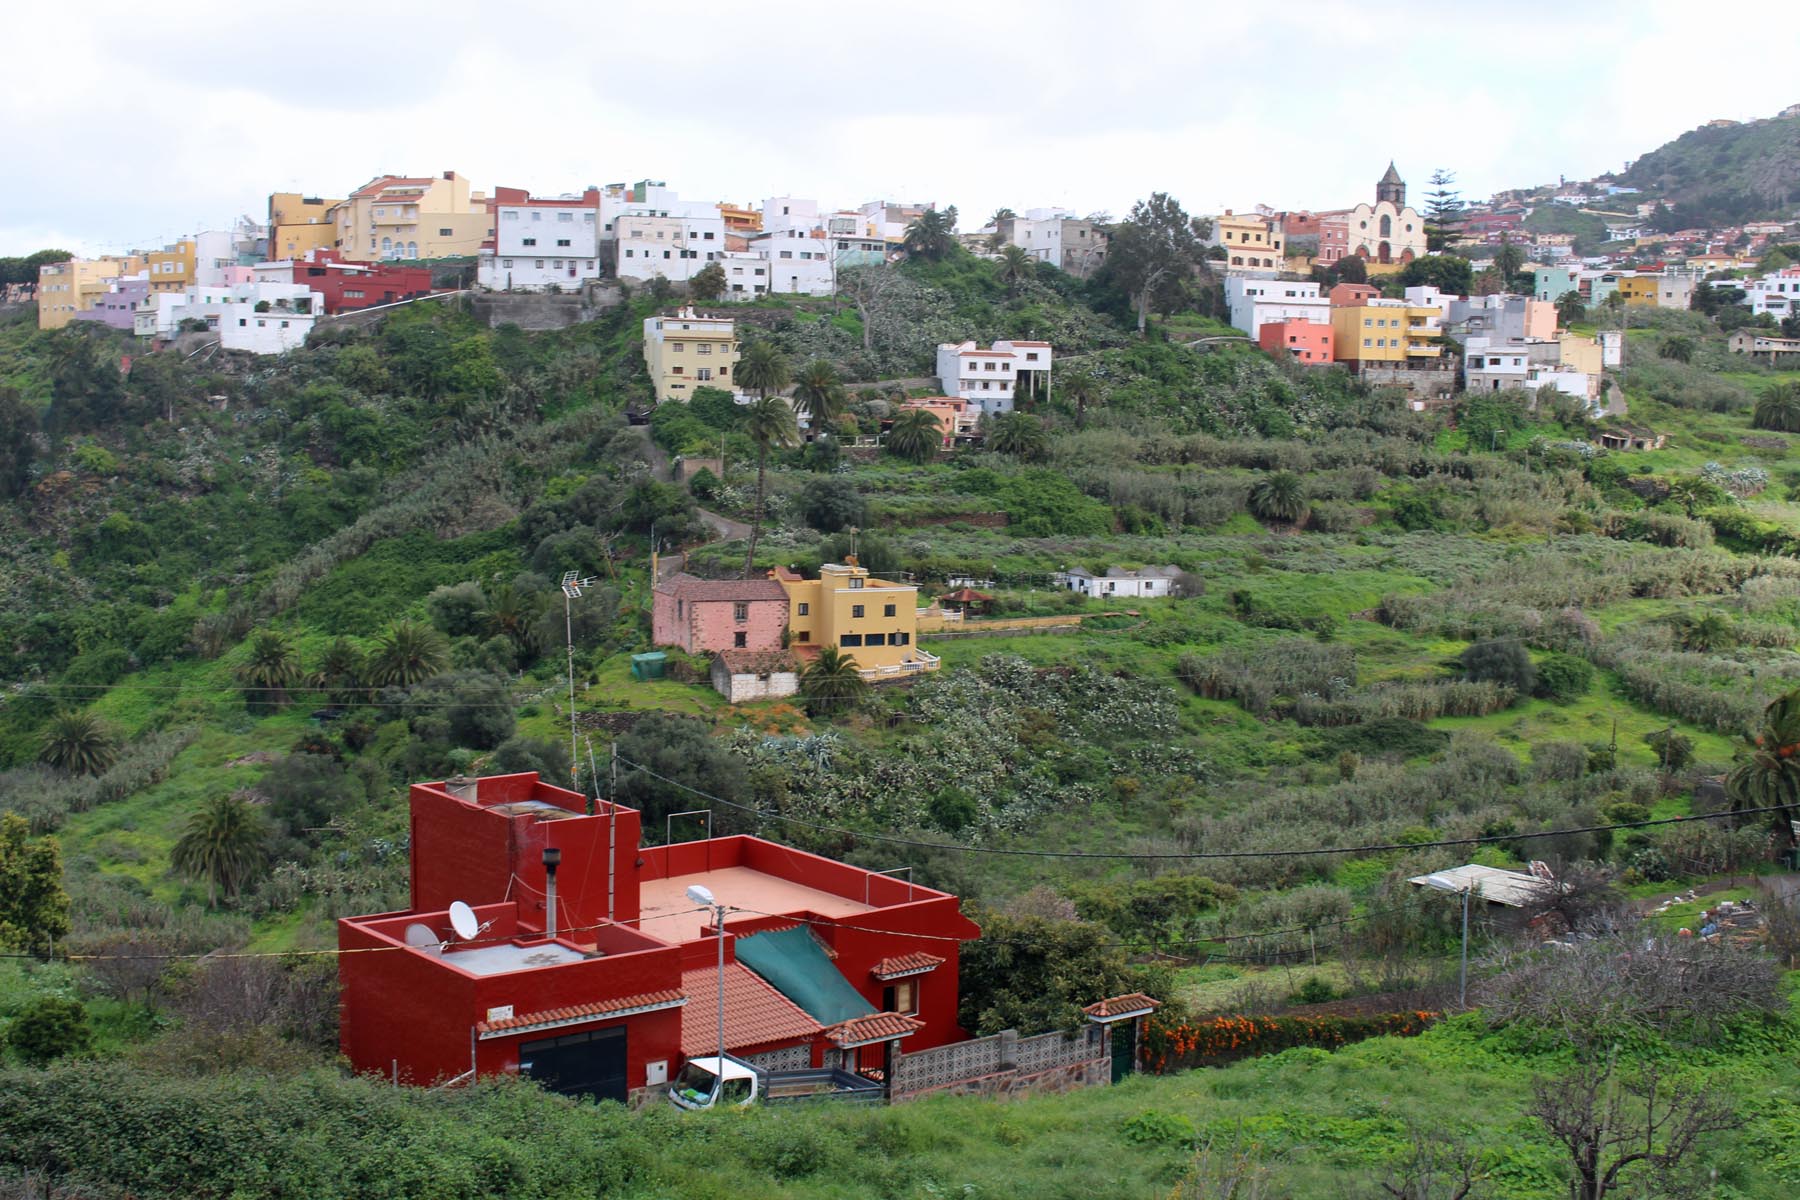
(1445, 883)
(571, 590)
(704, 898)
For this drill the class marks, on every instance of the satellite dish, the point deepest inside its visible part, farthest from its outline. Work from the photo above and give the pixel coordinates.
(424, 937)
(462, 919)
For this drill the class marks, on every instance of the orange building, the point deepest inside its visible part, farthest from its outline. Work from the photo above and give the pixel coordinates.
(1302, 341)
(956, 417)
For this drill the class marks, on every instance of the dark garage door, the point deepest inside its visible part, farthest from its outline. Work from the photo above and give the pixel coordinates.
(578, 1064)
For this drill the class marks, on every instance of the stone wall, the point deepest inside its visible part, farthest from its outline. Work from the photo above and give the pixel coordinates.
(1093, 1072)
(536, 311)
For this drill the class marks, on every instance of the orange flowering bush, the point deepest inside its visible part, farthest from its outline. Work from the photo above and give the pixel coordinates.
(1169, 1046)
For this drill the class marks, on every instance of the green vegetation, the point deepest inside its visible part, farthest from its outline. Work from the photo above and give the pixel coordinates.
(246, 606)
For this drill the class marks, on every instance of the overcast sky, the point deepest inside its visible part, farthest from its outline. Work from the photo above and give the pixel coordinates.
(124, 125)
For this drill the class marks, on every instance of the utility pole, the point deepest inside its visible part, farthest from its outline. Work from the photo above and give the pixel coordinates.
(571, 590)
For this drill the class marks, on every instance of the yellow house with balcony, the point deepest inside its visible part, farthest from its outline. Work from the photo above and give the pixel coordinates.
(300, 224)
(1249, 242)
(1384, 333)
(407, 217)
(873, 621)
(685, 350)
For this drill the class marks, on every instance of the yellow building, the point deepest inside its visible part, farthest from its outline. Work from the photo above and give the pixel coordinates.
(685, 350)
(1248, 242)
(1581, 353)
(66, 288)
(298, 224)
(871, 620)
(1639, 289)
(172, 268)
(1384, 333)
(405, 217)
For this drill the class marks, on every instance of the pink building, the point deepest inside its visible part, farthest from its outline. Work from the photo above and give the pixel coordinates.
(703, 615)
(1302, 341)
(1353, 295)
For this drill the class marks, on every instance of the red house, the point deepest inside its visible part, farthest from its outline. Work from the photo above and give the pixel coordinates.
(348, 286)
(825, 964)
(702, 615)
(1302, 341)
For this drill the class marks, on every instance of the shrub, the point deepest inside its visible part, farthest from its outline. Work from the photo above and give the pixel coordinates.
(1174, 1047)
(1674, 751)
(1392, 737)
(1564, 677)
(831, 503)
(50, 1028)
(1504, 661)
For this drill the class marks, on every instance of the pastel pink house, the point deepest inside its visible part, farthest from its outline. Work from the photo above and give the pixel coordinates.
(705, 615)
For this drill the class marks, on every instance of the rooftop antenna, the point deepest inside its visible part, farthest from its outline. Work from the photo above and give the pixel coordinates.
(463, 920)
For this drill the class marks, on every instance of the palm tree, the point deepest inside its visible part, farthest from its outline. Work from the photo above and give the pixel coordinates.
(1570, 309)
(340, 671)
(1778, 408)
(510, 614)
(79, 743)
(932, 234)
(820, 395)
(1084, 390)
(1679, 348)
(224, 843)
(1706, 633)
(408, 653)
(1279, 497)
(1007, 214)
(832, 682)
(915, 435)
(768, 422)
(272, 668)
(1767, 774)
(1020, 435)
(1015, 268)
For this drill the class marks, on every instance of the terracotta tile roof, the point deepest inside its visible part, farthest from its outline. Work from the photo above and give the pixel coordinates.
(642, 1002)
(691, 588)
(1114, 1008)
(916, 963)
(757, 662)
(755, 1013)
(876, 1027)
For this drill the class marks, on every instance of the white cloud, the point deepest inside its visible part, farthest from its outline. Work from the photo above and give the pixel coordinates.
(125, 127)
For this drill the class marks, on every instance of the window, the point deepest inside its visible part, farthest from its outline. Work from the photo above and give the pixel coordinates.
(740, 611)
(875, 639)
(850, 639)
(856, 611)
(887, 610)
(856, 584)
(446, 233)
(509, 215)
(507, 263)
(803, 610)
(899, 639)
(562, 241)
(565, 217)
(739, 640)
(901, 996)
(537, 216)
(540, 264)
(803, 635)
(528, 241)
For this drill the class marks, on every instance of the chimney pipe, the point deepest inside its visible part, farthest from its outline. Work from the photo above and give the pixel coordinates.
(552, 857)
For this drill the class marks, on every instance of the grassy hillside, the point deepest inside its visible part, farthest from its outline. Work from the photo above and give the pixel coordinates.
(1400, 628)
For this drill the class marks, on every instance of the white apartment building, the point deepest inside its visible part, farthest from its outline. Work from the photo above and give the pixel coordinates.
(783, 213)
(1777, 294)
(542, 243)
(258, 318)
(1495, 368)
(1255, 301)
(991, 378)
(647, 230)
(1058, 237)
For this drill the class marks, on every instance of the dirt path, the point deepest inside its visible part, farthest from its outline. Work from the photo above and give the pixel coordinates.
(722, 528)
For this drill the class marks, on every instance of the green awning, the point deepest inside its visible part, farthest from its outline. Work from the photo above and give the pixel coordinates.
(796, 966)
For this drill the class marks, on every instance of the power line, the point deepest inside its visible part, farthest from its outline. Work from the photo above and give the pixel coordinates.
(1138, 856)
